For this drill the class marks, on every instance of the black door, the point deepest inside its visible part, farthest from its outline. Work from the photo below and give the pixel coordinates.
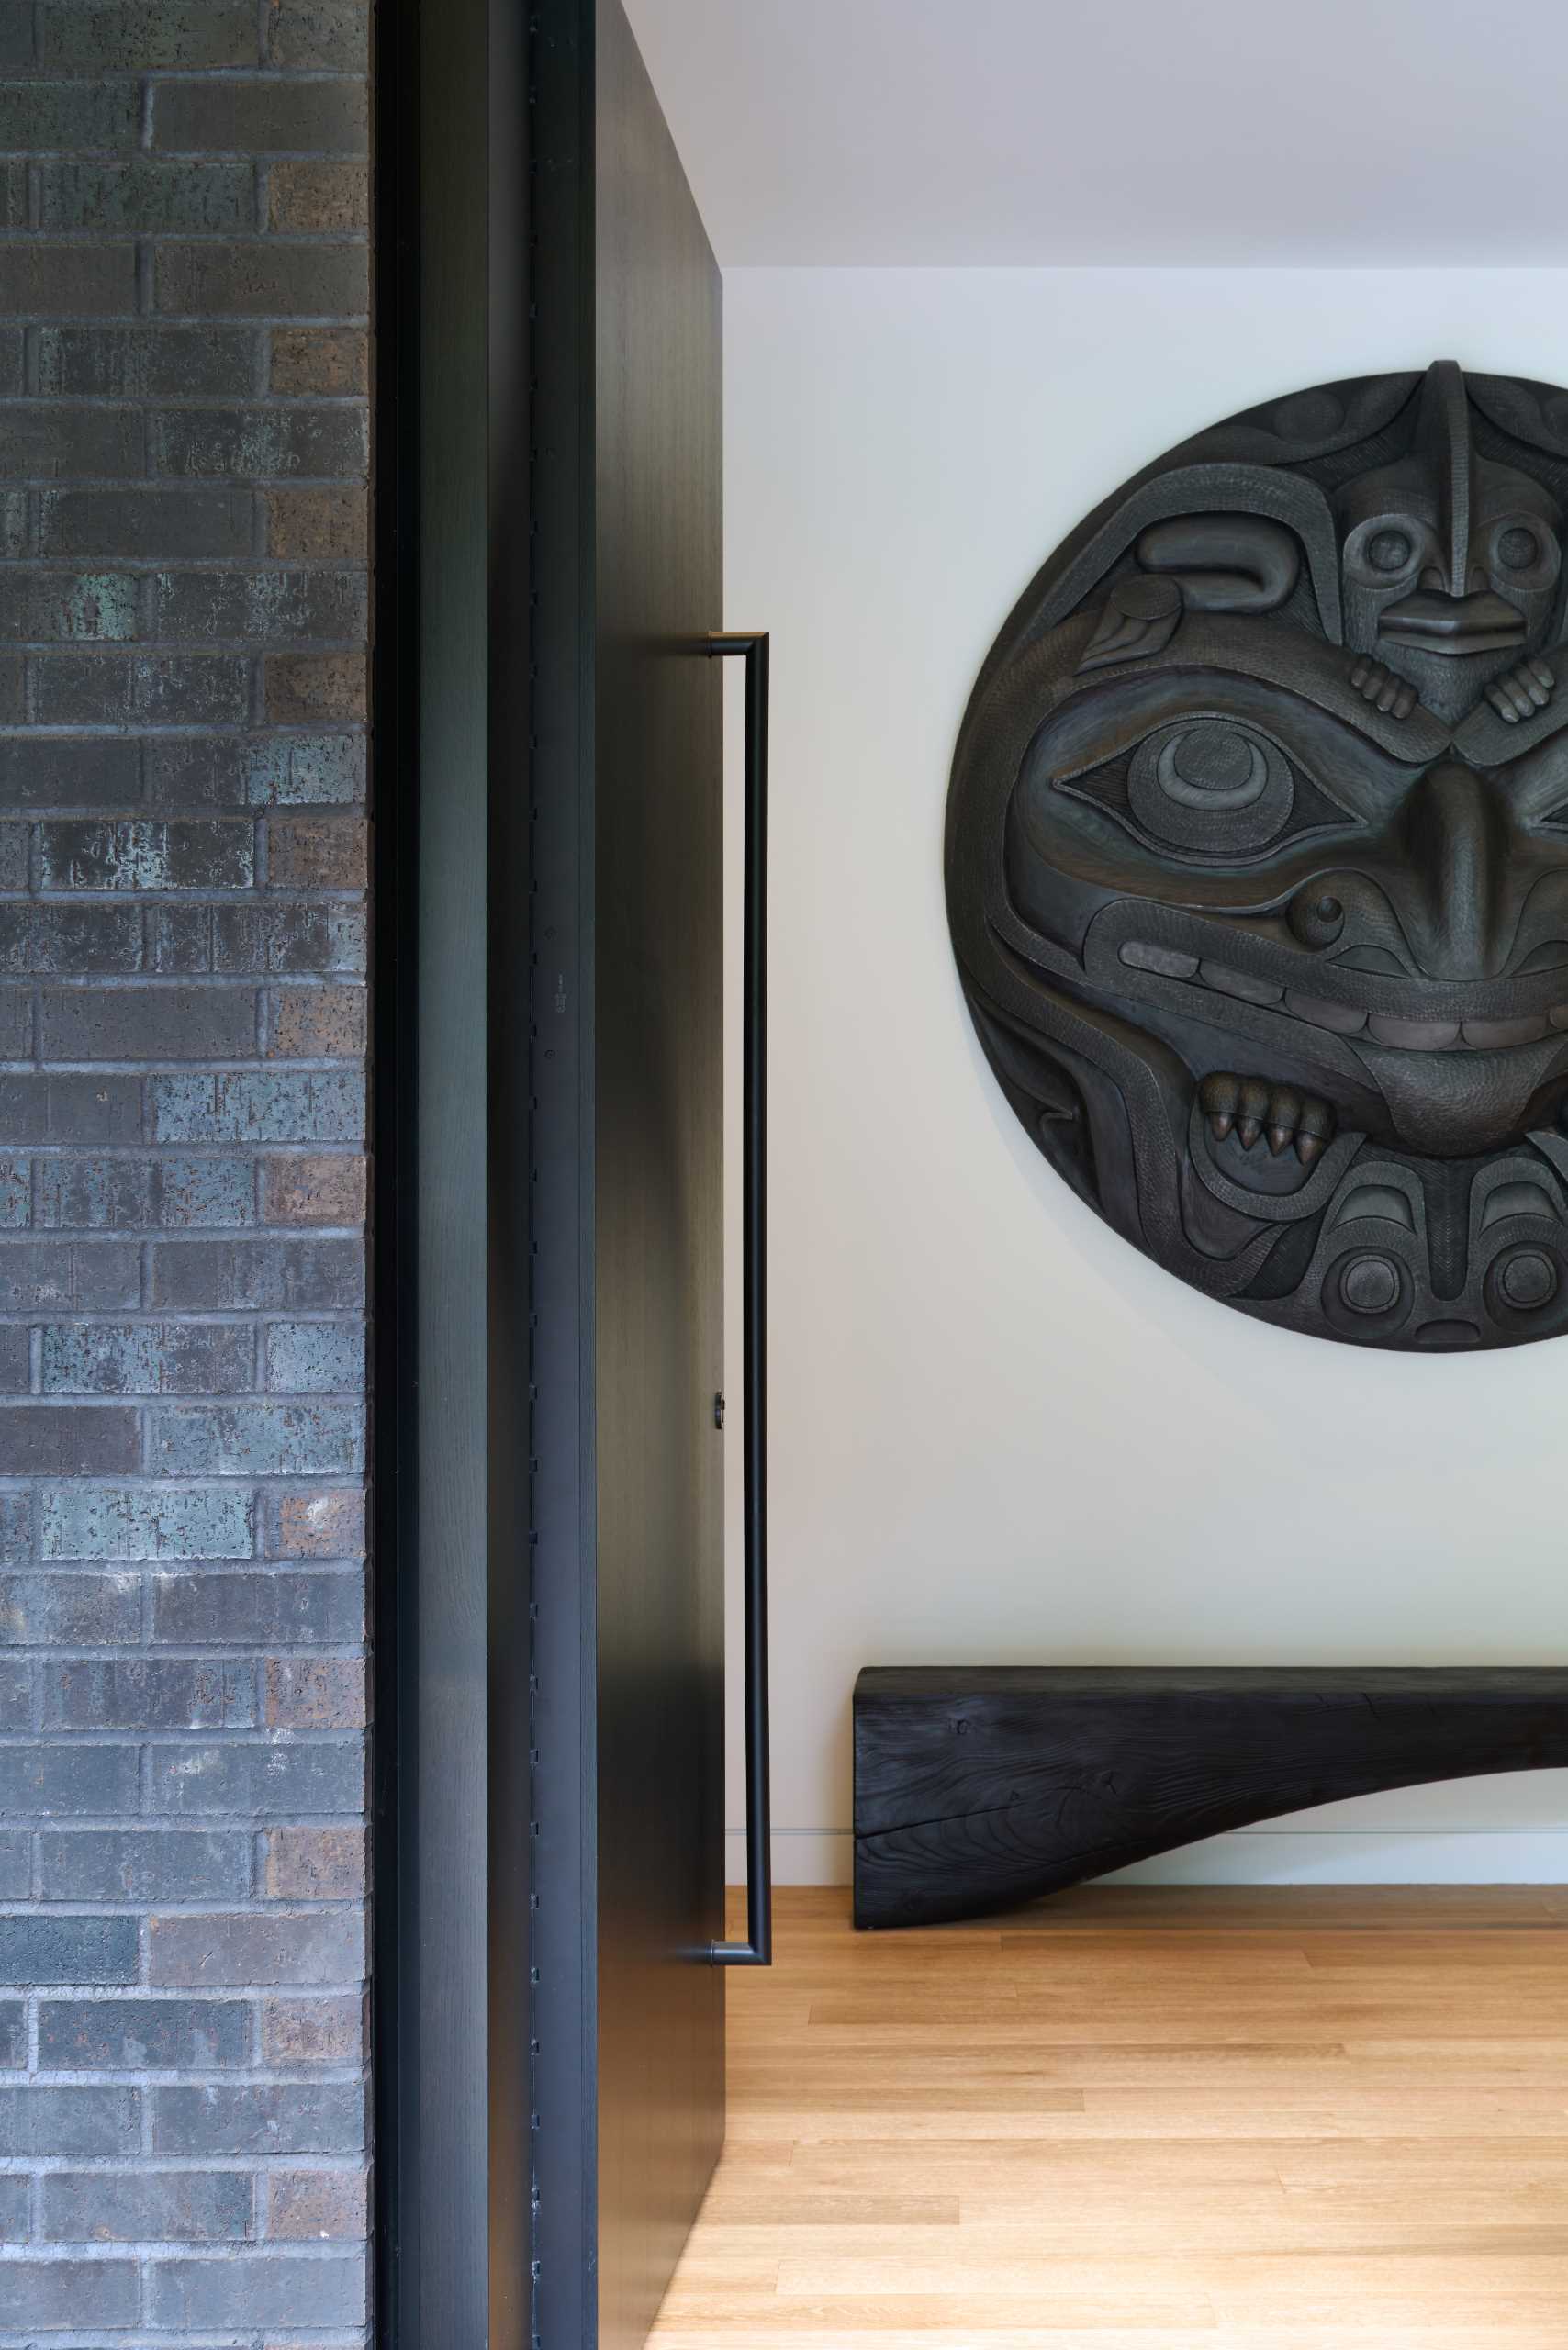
(658, 1262)
(629, 1244)
(550, 1278)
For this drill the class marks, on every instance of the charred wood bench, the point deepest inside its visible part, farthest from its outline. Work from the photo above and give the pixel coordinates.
(977, 1788)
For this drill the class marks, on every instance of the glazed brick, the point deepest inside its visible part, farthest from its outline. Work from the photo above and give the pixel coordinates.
(320, 361)
(303, 1946)
(148, 362)
(47, 1781)
(263, 2118)
(270, 1440)
(319, 34)
(55, 771)
(141, 689)
(157, 2207)
(252, 1782)
(193, 853)
(16, 1529)
(316, 1525)
(316, 1865)
(315, 198)
(15, 1023)
(70, 1611)
(146, 195)
(289, 938)
(316, 2205)
(315, 1693)
(68, 1277)
(329, 2033)
(49, 2293)
(317, 853)
(236, 1276)
(142, 2035)
(94, 606)
(146, 1864)
(315, 1023)
(67, 281)
(177, 939)
(167, 522)
(150, 1693)
(127, 1194)
(136, 1522)
(80, 118)
(262, 607)
(142, 1023)
(147, 1358)
(313, 1190)
(320, 1105)
(58, 442)
(318, 525)
(260, 116)
(16, 1180)
(41, 939)
(238, 1611)
(138, 36)
(48, 2121)
(315, 1358)
(69, 1440)
(304, 688)
(45, 1949)
(16, 1714)
(259, 443)
(254, 771)
(266, 279)
(66, 1108)
(260, 2289)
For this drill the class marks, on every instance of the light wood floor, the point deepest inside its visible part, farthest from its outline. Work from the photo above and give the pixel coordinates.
(1327, 2119)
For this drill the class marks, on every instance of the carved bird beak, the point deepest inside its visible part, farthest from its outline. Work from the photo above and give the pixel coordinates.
(1452, 624)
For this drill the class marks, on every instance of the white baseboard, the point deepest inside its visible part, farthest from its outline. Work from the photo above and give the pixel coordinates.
(1537, 1855)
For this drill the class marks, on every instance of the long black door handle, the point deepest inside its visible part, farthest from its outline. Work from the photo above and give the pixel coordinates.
(757, 1948)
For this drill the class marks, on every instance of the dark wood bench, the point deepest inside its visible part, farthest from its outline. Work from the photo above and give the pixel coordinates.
(977, 1787)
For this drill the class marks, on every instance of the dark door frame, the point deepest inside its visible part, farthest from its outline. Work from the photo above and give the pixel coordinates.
(483, 1991)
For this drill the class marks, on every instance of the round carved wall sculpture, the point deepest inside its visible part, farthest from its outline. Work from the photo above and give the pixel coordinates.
(1257, 861)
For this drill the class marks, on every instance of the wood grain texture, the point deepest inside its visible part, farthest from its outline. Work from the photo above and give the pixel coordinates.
(1212, 2119)
(977, 1788)
(658, 1290)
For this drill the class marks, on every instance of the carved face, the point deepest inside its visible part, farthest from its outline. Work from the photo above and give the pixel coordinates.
(1266, 942)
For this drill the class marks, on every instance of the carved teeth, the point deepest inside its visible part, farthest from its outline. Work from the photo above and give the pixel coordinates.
(1239, 983)
(1413, 1036)
(1498, 1034)
(1217, 1098)
(1169, 961)
(1339, 1019)
(1253, 1108)
(1251, 1111)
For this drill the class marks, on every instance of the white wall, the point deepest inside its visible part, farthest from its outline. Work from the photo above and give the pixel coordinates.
(998, 1434)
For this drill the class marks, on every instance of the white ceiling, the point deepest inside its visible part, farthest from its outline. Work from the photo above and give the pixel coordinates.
(943, 132)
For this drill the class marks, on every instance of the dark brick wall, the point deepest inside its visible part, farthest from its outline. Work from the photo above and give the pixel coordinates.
(183, 642)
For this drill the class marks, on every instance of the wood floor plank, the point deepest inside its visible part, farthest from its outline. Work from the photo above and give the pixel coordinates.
(1185, 2119)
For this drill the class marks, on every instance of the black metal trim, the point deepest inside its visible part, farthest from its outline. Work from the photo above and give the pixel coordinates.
(757, 1948)
(394, 1988)
(563, 1981)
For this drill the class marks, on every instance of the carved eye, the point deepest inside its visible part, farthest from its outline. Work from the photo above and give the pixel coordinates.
(1389, 550)
(1211, 784)
(1386, 549)
(1524, 552)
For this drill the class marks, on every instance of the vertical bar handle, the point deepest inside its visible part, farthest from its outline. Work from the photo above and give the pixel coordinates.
(757, 1948)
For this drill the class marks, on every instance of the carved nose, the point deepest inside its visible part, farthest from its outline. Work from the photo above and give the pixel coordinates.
(1451, 899)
